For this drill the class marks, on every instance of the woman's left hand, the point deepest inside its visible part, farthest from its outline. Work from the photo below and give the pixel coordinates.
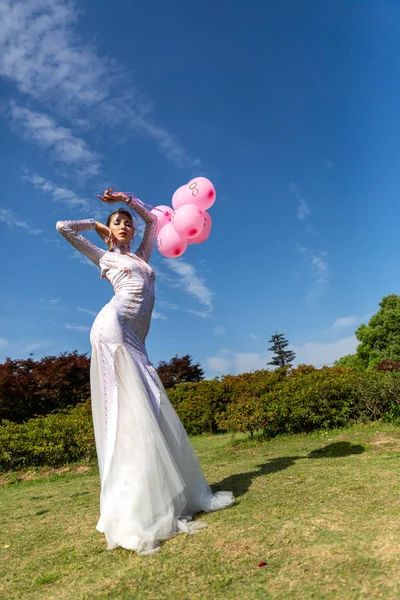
(110, 198)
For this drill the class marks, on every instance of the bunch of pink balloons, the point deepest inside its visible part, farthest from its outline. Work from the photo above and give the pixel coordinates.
(188, 222)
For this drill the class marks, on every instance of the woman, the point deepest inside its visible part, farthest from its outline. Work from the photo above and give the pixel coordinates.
(151, 480)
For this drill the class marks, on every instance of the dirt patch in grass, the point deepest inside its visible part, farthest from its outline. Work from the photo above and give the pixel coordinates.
(385, 441)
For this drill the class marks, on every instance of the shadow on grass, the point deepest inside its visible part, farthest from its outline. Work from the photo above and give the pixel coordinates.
(240, 483)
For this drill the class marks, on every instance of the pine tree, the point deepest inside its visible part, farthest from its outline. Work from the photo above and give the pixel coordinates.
(282, 357)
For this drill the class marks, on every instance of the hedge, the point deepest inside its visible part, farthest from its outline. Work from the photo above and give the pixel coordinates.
(53, 440)
(270, 403)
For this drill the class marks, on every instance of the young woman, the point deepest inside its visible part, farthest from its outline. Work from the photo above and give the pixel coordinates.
(151, 480)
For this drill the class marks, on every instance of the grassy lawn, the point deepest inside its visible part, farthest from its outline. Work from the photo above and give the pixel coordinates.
(321, 510)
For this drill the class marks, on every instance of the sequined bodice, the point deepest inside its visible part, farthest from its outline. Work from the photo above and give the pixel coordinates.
(133, 282)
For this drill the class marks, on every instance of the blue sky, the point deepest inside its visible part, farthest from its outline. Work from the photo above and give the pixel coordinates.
(290, 108)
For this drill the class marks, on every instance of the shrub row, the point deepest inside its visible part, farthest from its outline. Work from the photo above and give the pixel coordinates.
(53, 440)
(272, 403)
(293, 401)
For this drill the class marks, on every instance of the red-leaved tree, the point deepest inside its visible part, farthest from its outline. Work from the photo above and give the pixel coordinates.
(37, 387)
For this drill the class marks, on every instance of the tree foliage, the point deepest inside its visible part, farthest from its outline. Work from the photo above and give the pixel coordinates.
(36, 387)
(179, 370)
(282, 357)
(380, 339)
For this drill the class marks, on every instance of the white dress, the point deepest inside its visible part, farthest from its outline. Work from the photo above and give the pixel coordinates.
(151, 480)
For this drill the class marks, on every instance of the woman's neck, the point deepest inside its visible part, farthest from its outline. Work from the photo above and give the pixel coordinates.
(121, 248)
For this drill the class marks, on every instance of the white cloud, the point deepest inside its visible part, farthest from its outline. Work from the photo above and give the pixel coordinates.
(43, 54)
(11, 220)
(3, 342)
(324, 354)
(303, 209)
(48, 303)
(329, 164)
(76, 327)
(227, 361)
(92, 313)
(218, 364)
(61, 194)
(26, 347)
(253, 337)
(319, 270)
(345, 322)
(318, 354)
(191, 282)
(158, 315)
(219, 330)
(64, 146)
(203, 314)
(167, 305)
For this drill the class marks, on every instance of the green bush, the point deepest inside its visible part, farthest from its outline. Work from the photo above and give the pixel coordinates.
(199, 405)
(305, 399)
(52, 440)
(284, 401)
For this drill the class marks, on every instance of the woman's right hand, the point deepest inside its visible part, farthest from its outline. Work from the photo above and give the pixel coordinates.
(103, 231)
(110, 197)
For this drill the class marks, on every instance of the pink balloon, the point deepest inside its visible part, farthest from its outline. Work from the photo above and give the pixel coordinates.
(199, 191)
(163, 216)
(205, 232)
(170, 243)
(188, 221)
(177, 196)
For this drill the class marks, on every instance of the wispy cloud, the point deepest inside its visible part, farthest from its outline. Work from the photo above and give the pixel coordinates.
(83, 259)
(10, 219)
(319, 269)
(219, 330)
(303, 209)
(167, 305)
(76, 327)
(328, 163)
(343, 322)
(203, 314)
(92, 313)
(52, 302)
(158, 315)
(3, 342)
(191, 282)
(60, 194)
(42, 52)
(64, 146)
(253, 337)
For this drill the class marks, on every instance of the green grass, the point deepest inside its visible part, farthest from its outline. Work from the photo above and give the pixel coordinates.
(321, 510)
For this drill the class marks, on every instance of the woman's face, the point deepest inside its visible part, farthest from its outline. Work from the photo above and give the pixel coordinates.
(121, 227)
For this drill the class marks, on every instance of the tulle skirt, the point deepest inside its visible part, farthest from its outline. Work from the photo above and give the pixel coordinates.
(151, 480)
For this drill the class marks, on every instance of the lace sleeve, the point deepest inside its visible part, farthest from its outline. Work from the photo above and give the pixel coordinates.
(146, 246)
(70, 229)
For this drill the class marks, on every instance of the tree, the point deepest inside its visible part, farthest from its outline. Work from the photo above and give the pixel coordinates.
(179, 370)
(282, 357)
(36, 387)
(380, 339)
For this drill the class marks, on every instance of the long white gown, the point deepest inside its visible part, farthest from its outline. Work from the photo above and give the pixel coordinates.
(151, 480)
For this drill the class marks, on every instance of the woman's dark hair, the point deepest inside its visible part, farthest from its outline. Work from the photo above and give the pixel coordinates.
(119, 211)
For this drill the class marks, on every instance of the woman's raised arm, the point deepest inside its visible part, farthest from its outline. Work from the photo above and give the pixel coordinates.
(146, 246)
(70, 229)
